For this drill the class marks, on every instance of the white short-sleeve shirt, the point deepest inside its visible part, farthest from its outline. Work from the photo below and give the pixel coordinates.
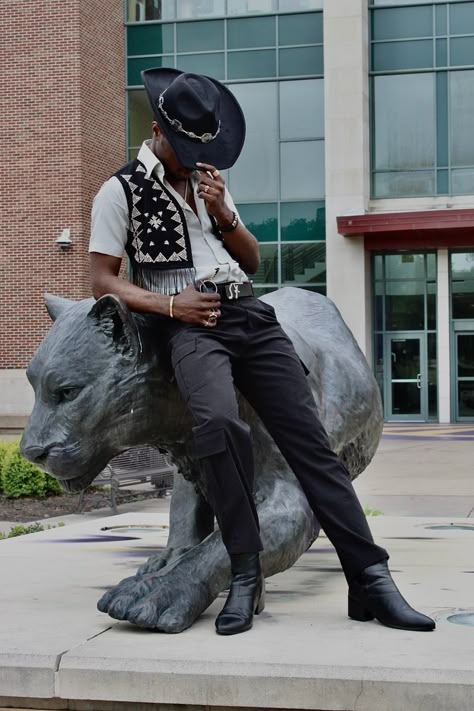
(110, 225)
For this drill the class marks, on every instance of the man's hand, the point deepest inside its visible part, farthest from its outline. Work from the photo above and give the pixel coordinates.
(191, 306)
(211, 189)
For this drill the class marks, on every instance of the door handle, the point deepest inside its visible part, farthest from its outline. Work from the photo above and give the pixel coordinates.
(418, 381)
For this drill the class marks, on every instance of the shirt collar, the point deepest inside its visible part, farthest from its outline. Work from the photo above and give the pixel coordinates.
(150, 161)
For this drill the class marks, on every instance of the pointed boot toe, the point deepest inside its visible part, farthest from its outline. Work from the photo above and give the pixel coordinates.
(374, 595)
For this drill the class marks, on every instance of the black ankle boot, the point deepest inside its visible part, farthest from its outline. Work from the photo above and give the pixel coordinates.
(246, 596)
(374, 594)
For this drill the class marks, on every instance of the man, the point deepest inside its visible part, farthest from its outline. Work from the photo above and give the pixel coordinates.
(189, 254)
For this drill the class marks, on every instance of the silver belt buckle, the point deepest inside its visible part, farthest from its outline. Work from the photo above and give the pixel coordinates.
(207, 286)
(233, 290)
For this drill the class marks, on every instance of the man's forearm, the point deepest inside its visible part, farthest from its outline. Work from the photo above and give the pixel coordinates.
(136, 298)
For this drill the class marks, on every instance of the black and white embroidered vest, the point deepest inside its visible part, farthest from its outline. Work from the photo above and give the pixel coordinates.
(158, 243)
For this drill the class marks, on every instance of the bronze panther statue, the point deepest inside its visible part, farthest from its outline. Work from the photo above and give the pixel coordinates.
(102, 385)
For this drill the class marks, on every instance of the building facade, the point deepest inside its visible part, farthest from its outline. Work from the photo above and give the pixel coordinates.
(357, 175)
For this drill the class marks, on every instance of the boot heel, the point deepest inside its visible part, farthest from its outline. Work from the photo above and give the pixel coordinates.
(261, 600)
(357, 611)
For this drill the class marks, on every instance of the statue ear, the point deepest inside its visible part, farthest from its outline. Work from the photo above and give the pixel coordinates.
(56, 305)
(112, 317)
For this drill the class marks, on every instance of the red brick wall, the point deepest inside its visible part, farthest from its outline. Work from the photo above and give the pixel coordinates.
(62, 133)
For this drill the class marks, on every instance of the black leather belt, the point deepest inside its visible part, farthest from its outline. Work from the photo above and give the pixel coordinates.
(229, 291)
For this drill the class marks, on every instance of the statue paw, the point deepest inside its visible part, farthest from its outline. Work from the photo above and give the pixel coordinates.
(168, 601)
(161, 560)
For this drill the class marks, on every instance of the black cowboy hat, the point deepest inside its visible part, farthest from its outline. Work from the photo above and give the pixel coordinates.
(199, 116)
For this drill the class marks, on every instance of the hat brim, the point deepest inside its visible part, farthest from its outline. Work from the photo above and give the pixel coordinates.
(224, 150)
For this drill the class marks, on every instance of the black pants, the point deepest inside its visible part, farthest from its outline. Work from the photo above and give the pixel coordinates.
(249, 349)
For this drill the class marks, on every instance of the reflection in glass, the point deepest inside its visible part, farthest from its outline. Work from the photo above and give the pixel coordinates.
(466, 398)
(405, 266)
(379, 307)
(302, 170)
(416, 54)
(462, 181)
(301, 60)
(150, 39)
(256, 172)
(461, 97)
(212, 65)
(254, 64)
(431, 305)
(388, 185)
(261, 220)
(303, 263)
(461, 18)
(247, 7)
(378, 360)
(405, 306)
(404, 125)
(432, 376)
(431, 266)
(199, 8)
(406, 399)
(466, 355)
(462, 284)
(135, 66)
(141, 10)
(302, 221)
(140, 117)
(268, 270)
(292, 5)
(302, 124)
(200, 36)
(405, 358)
(251, 32)
(397, 24)
(300, 29)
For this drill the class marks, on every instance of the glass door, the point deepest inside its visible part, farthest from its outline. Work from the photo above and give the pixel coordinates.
(465, 376)
(406, 387)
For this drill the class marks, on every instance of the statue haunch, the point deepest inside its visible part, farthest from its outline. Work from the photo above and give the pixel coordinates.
(102, 386)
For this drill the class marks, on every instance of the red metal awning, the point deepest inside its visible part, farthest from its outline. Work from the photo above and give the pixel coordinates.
(426, 229)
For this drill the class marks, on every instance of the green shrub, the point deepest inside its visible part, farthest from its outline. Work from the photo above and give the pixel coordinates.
(4, 448)
(22, 530)
(22, 478)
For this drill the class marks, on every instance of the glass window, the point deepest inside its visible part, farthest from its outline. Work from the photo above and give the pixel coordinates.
(212, 64)
(378, 267)
(465, 355)
(405, 305)
(256, 172)
(388, 185)
(431, 266)
(292, 5)
(441, 20)
(462, 284)
(248, 7)
(135, 66)
(432, 376)
(466, 398)
(404, 122)
(461, 51)
(140, 117)
(461, 18)
(412, 54)
(200, 36)
(398, 24)
(442, 53)
(301, 60)
(462, 182)
(379, 306)
(308, 120)
(251, 32)
(302, 170)
(200, 8)
(303, 263)
(461, 96)
(405, 266)
(431, 306)
(268, 270)
(248, 65)
(261, 220)
(302, 221)
(300, 29)
(141, 10)
(150, 39)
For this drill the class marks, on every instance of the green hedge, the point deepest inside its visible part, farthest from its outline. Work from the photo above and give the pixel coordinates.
(19, 477)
